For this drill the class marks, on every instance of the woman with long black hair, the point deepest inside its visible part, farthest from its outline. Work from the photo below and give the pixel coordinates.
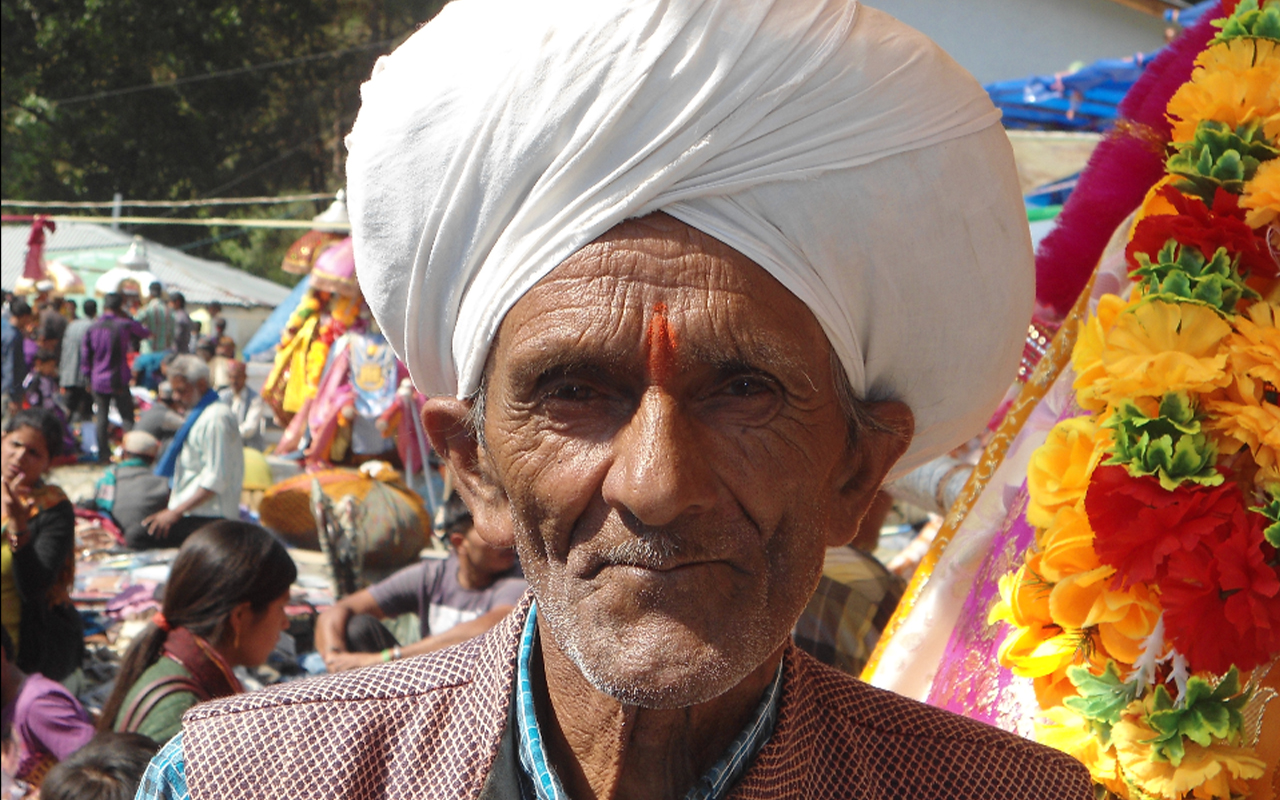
(223, 606)
(37, 550)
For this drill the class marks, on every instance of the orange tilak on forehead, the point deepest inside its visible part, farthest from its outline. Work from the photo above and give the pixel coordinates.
(660, 344)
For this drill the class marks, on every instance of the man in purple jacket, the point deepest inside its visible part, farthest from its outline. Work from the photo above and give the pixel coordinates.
(105, 364)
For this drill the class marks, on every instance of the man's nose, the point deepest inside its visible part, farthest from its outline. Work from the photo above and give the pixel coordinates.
(659, 470)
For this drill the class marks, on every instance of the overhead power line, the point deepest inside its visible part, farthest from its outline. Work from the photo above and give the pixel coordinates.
(208, 222)
(212, 201)
(226, 73)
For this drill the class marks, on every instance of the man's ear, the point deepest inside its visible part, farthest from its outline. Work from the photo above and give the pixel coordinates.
(869, 459)
(445, 420)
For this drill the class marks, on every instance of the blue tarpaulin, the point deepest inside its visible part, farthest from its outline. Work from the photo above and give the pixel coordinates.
(268, 334)
(1083, 100)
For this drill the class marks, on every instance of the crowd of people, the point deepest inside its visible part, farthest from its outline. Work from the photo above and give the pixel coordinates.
(80, 364)
(173, 466)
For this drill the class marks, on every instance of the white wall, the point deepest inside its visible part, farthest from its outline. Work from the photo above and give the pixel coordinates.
(1000, 40)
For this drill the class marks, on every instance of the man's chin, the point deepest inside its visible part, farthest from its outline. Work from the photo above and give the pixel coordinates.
(659, 666)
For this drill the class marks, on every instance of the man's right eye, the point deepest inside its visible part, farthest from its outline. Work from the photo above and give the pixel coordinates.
(573, 393)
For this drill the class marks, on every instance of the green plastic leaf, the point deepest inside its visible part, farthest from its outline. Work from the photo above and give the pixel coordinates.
(1203, 715)
(1183, 275)
(1271, 512)
(1171, 445)
(1218, 156)
(1101, 699)
(1250, 21)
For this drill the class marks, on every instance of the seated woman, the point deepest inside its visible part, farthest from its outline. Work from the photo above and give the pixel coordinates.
(36, 556)
(223, 606)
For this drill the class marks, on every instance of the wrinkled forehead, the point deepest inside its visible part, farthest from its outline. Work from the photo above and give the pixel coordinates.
(655, 287)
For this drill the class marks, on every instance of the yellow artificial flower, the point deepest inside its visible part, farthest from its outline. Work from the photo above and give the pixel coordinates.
(1086, 357)
(1060, 468)
(1157, 348)
(1035, 646)
(1235, 82)
(1065, 730)
(1066, 545)
(1262, 195)
(1216, 772)
(1248, 411)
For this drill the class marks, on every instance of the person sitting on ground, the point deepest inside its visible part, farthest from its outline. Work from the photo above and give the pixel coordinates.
(223, 607)
(36, 556)
(246, 404)
(130, 491)
(42, 722)
(205, 458)
(164, 418)
(109, 767)
(455, 599)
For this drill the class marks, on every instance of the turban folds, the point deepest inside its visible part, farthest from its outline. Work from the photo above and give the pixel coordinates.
(840, 150)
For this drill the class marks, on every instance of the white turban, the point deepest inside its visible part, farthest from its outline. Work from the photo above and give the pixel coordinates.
(840, 150)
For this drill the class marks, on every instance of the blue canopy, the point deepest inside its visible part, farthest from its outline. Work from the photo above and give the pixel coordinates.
(1083, 100)
(268, 334)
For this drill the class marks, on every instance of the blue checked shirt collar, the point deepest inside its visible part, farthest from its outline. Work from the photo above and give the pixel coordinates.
(539, 781)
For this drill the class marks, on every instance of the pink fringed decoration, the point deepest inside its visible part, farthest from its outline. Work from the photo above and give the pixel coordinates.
(1123, 168)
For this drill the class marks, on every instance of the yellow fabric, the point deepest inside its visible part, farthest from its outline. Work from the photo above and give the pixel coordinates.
(257, 473)
(10, 602)
(295, 390)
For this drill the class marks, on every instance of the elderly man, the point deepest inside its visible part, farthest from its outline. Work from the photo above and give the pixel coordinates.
(246, 404)
(130, 491)
(687, 279)
(205, 459)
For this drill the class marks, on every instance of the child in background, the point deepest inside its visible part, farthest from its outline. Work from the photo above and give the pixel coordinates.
(42, 722)
(40, 390)
(108, 768)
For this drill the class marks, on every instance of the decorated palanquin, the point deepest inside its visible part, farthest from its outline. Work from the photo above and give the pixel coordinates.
(330, 307)
(1108, 582)
(336, 382)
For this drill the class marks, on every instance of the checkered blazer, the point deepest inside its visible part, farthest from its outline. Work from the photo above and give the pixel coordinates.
(429, 728)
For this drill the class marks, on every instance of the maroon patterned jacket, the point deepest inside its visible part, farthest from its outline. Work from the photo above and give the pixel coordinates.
(431, 727)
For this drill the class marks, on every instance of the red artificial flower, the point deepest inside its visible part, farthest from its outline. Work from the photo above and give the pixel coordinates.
(1206, 229)
(1222, 604)
(1138, 525)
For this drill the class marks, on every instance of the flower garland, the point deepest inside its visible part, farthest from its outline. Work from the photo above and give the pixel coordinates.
(1150, 604)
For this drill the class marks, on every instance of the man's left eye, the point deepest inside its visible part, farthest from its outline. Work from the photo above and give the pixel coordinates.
(747, 386)
(744, 400)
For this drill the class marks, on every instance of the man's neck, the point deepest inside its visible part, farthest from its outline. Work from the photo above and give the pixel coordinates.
(602, 748)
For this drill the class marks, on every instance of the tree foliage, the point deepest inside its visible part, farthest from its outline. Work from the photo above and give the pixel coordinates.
(76, 128)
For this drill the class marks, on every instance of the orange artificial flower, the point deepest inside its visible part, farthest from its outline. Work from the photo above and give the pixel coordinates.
(1066, 545)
